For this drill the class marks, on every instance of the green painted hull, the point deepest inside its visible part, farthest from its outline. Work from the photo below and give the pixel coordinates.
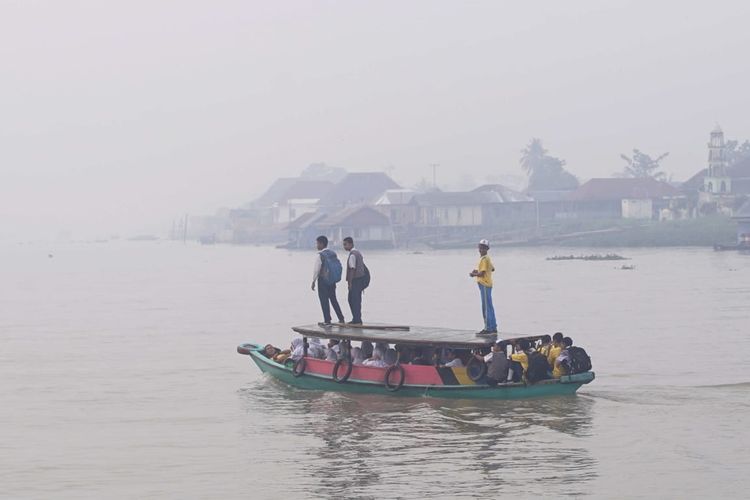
(564, 387)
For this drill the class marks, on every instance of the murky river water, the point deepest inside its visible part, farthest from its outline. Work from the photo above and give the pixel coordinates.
(119, 378)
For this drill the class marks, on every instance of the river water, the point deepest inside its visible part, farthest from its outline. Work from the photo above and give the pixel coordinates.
(119, 378)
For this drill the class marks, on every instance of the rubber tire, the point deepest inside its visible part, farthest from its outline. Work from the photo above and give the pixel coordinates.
(482, 371)
(347, 373)
(298, 369)
(388, 371)
(247, 348)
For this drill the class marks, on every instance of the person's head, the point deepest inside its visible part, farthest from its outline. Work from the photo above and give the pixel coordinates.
(348, 243)
(500, 346)
(269, 350)
(484, 247)
(524, 344)
(546, 339)
(366, 348)
(567, 342)
(557, 338)
(321, 242)
(450, 354)
(333, 342)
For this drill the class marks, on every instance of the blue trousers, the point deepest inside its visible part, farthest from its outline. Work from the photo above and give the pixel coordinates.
(488, 310)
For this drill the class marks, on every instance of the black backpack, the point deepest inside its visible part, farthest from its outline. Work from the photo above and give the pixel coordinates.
(580, 362)
(366, 278)
(538, 368)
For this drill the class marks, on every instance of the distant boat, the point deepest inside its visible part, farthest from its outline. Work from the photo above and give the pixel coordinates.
(405, 379)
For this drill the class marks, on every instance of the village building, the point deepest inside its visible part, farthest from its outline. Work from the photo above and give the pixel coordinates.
(723, 185)
(742, 218)
(629, 198)
(369, 228)
(357, 188)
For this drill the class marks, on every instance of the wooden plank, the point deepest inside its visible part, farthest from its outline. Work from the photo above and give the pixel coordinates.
(373, 326)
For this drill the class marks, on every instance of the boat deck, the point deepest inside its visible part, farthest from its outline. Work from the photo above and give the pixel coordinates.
(413, 335)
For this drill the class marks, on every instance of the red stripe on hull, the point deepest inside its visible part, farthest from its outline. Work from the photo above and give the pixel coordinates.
(415, 374)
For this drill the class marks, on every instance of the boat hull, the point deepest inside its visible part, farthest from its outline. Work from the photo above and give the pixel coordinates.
(317, 379)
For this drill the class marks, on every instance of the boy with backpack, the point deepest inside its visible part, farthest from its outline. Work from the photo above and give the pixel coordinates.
(326, 273)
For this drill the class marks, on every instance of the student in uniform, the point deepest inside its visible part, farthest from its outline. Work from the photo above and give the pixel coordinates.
(521, 356)
(562, 361)
(326, 290)
(544, 345)
(497, 363)
(555, 349)
(483, 274)
(355, 278)
(453, 361)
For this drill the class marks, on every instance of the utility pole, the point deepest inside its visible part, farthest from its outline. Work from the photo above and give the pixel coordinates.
(434, 174)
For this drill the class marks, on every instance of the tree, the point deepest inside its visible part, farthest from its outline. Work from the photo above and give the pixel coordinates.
(545, 172)
(642, 166)
(737, 152)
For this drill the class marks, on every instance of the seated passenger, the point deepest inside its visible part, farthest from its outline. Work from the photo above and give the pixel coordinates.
(419, 357)
(555, 349)
(497, 362)
(544, 345)
(332, 350)
(376, 360)
(521, 354)
(390, 357)
(366, 349)
(453, 361)
(562, 362)
(356, 354)
(276, 354)
(297, 348)
(315, 349)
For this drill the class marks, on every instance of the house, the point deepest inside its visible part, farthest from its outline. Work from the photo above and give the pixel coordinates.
(358, 188)
(288, 198)
(742, 217)
(514, 209)
(303, 230)
(368, 227)
(453, 209)
(636, 198)
(396, 204)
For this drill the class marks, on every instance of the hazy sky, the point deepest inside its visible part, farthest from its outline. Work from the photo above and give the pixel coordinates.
(116, 117)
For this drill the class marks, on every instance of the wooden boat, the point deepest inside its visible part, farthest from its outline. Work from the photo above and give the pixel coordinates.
(405, 379)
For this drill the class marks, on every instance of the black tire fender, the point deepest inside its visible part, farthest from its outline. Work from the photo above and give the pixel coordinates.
(388, 372)
(298, 368)
(347, 373)
(482, 369)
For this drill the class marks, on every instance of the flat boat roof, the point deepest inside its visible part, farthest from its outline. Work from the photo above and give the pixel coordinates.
(412, 335)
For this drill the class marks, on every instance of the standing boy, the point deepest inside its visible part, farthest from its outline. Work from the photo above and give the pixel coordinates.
(483, 274)
(355, 277)
(327, 272)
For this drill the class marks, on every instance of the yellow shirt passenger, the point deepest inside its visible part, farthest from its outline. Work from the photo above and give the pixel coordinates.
(554, 352)
(485, 264)
(522, 358)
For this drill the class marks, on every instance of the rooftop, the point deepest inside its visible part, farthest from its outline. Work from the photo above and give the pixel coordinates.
(288, 188)
(414, 335)
(457, 198)
(359, 187)
(622, 188)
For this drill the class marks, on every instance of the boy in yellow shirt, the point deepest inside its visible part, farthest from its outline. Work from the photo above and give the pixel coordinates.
(483, 274)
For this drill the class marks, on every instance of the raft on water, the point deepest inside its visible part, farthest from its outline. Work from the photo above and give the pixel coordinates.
(406, 379)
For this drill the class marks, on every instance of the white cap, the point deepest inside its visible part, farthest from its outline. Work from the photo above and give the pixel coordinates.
(485, 243)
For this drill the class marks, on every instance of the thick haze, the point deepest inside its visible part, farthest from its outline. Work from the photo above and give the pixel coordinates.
(117, 117)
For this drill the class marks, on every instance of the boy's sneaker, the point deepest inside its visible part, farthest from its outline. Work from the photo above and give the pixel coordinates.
(486, 333)
(325, 323)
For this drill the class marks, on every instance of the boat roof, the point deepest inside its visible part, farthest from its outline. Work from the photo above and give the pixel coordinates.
(409, 335)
